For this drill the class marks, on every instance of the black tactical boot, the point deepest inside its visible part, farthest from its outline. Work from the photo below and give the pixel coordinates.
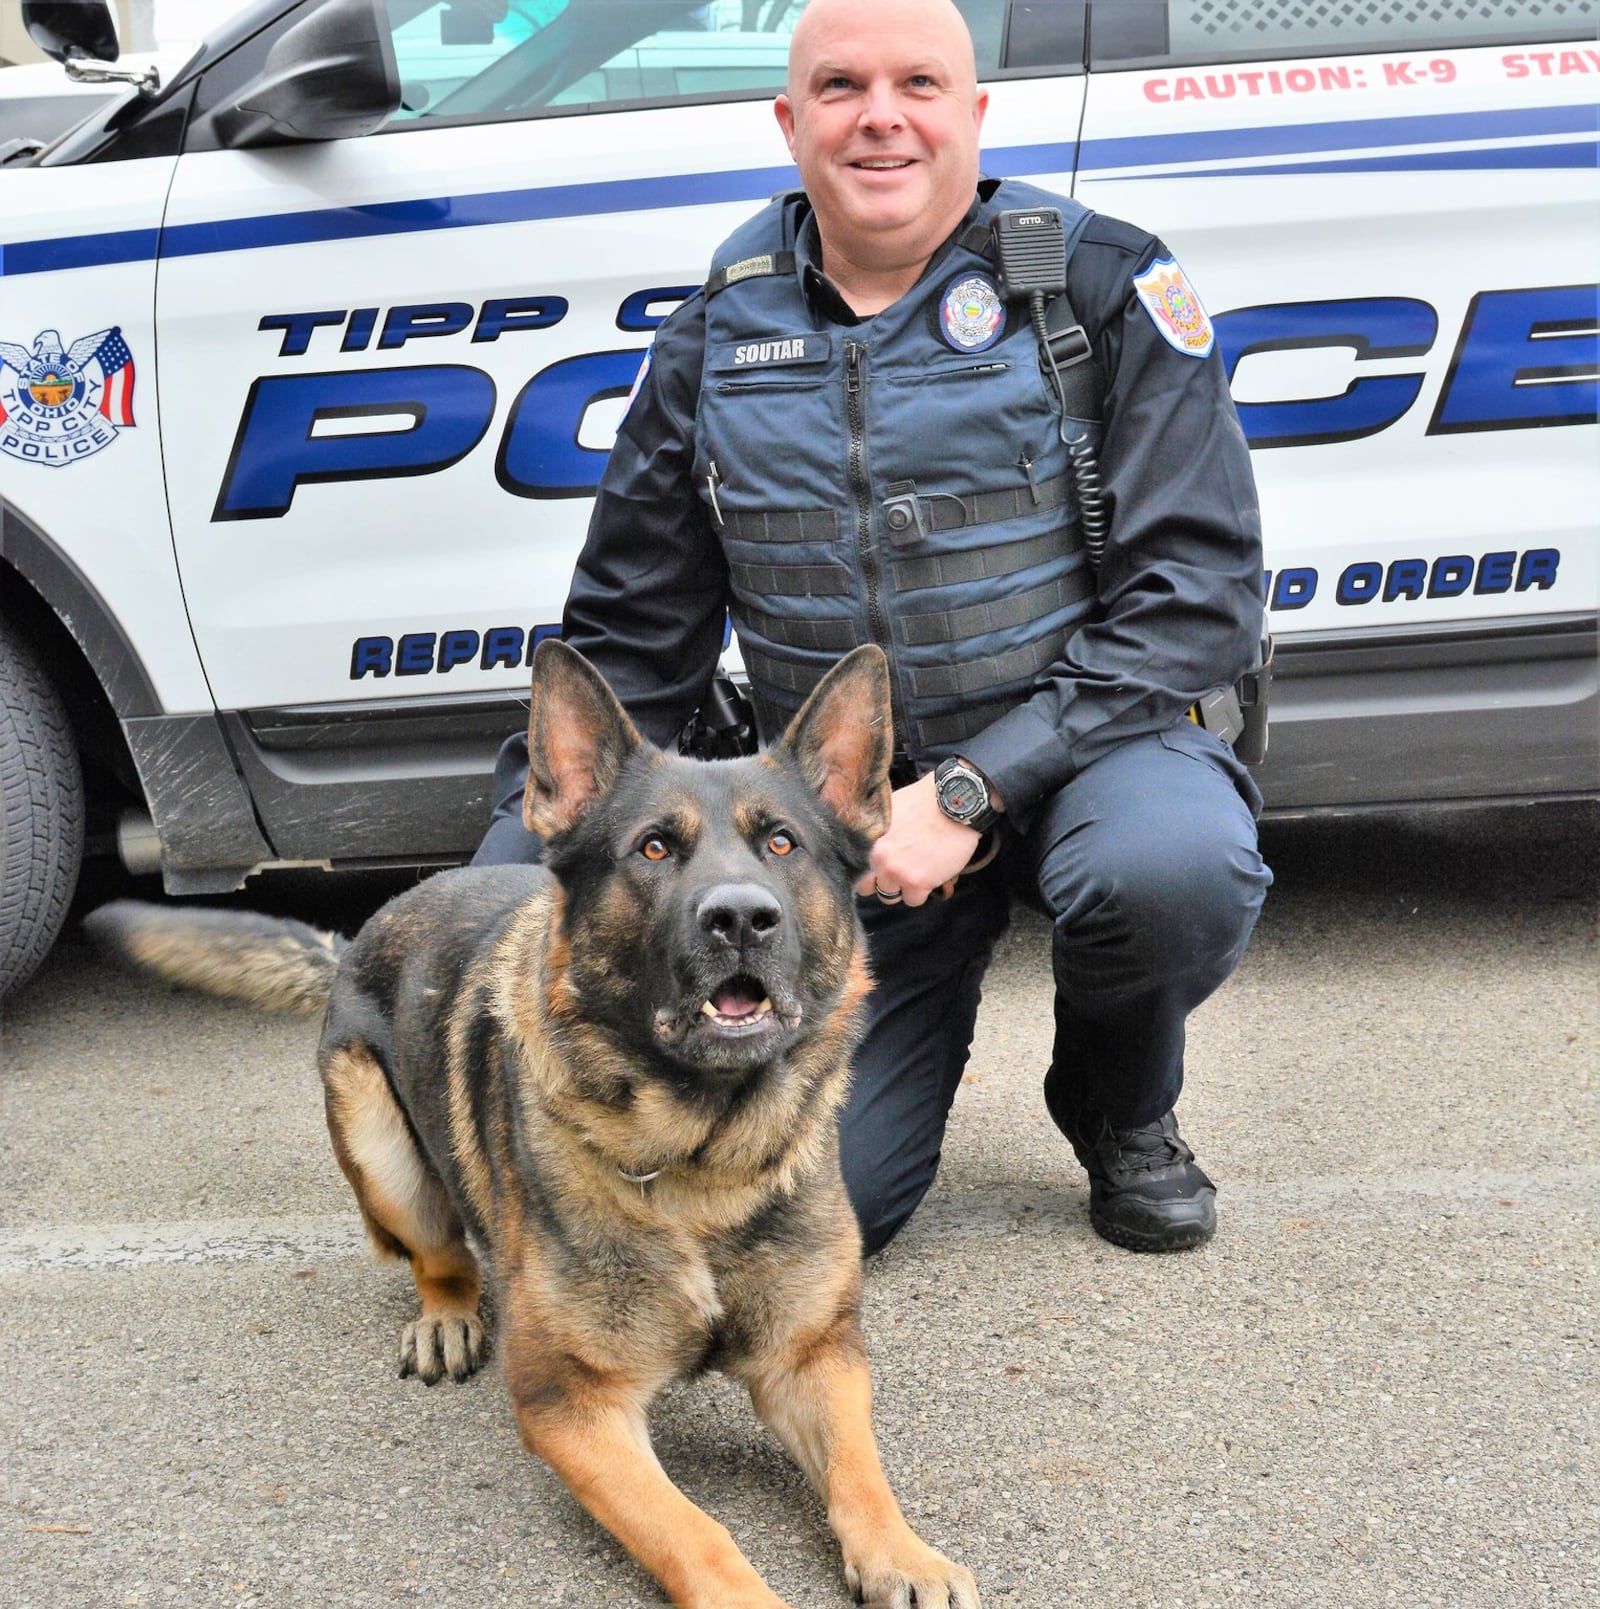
(1145, 1192)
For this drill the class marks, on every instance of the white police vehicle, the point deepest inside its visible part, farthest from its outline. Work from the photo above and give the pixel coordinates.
(310, 360)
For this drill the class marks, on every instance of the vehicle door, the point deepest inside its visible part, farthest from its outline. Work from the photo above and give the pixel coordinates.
(1390, 212)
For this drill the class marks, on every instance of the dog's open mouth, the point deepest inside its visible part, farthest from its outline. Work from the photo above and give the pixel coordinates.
(739, 1004)
(738, 1011)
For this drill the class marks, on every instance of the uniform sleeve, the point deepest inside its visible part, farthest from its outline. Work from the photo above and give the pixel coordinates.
(1180, 585)
(649, 595)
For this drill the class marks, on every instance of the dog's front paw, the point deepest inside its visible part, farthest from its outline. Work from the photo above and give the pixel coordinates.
(432, 1347)
(910, 1573)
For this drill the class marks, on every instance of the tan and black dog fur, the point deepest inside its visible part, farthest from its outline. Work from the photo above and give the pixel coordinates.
(617, 1077)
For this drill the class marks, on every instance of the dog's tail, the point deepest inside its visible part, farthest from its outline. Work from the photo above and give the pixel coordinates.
(276, 963)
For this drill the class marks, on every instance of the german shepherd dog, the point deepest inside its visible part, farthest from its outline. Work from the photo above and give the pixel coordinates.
(614, 1080)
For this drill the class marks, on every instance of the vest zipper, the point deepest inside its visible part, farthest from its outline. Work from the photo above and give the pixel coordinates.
(855, 357)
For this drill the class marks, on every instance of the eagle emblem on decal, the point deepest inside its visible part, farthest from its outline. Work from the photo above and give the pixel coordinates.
(62, 404)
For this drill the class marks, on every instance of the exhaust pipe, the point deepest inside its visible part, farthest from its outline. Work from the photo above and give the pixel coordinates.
(138, 843)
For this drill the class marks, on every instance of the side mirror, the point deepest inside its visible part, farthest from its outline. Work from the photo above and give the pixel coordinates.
(71, 29)
(332, 76)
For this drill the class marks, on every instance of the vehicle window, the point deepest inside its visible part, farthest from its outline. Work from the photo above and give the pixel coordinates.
(475, 59)
(1157, 31)
(43, 117)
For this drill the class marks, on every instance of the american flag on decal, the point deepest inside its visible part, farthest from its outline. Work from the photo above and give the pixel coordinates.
(116, 364)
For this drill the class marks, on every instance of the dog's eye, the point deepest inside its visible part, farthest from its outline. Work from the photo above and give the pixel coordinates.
(655, 847)
(779, 842)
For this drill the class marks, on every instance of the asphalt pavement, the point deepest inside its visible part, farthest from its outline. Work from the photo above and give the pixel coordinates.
(1377, 1386)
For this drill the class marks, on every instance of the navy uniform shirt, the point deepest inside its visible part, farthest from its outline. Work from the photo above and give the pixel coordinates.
(1180, 587)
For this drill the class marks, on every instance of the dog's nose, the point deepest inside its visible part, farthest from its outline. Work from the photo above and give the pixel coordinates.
(741, 915)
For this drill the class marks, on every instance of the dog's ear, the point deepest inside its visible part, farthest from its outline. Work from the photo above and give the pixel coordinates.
(842, 739)
(578, 737)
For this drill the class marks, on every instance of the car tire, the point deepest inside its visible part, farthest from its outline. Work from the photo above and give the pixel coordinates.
(41, 813)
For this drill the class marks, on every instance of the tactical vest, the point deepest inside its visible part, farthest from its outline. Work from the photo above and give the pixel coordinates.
(899, 481)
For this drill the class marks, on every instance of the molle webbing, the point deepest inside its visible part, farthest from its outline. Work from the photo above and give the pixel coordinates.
(835, 636)
(973, 620)
(781, 675)
(966, 678)
(957, 728)
(941, 511)
(977, 564)
(945, 511)
(792, 580)
(780, 525)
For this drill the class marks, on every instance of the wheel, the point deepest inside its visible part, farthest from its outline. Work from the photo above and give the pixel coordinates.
(41, 812)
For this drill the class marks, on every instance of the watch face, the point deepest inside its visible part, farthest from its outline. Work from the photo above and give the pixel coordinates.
(962, 795)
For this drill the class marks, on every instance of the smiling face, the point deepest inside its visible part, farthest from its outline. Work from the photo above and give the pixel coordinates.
(882, 116)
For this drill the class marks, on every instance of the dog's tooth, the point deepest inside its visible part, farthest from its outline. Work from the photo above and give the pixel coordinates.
(708, 1009)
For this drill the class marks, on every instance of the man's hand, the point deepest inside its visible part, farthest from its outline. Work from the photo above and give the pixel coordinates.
(923, 849)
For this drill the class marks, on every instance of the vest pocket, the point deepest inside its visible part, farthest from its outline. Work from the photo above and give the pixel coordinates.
(948, 371)
(773, 382)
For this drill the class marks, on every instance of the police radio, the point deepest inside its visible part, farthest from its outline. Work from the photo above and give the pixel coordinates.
(1030, 245)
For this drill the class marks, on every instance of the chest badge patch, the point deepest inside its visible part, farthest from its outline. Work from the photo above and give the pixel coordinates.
(59, 405)
(1174, 308)
(971, 315)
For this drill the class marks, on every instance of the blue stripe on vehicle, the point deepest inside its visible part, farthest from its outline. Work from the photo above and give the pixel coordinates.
(1199, 145)
(79, 251)
(399, 217)
(477, 211)
(755, 184)
(1570, 155)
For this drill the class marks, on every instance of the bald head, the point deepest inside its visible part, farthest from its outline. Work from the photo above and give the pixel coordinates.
(933, 20)
(882, 114)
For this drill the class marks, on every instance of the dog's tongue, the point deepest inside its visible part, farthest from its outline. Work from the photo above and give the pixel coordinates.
(737, 998)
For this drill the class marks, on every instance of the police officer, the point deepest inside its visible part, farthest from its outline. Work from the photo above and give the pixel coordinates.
(850, 435)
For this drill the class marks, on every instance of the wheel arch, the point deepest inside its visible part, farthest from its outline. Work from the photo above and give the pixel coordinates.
(181, 768)
(91, 661)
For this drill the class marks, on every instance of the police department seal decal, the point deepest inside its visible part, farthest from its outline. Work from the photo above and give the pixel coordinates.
(1174, 308)
(971, 315)
(61, 405)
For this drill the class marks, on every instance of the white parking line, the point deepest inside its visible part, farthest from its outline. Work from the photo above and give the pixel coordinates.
(1440, 1193)
(223, 1240)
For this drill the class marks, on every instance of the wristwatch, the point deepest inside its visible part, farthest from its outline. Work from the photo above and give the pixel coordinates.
(963, 794)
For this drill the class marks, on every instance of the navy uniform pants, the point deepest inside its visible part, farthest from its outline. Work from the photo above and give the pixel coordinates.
(1146, 864)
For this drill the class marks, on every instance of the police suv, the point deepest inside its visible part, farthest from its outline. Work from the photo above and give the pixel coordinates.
(311, 356)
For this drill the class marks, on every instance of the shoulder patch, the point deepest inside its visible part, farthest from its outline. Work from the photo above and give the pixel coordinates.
(1174, 308)
(638, 379)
